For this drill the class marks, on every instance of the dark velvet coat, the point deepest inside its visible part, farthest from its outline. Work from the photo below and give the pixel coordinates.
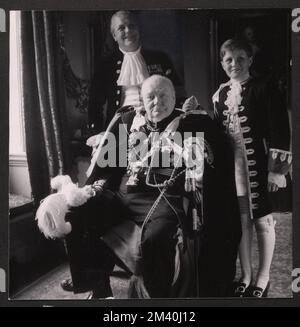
(265, 130)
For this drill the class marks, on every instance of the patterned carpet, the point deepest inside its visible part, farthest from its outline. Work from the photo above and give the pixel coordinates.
(47, 287)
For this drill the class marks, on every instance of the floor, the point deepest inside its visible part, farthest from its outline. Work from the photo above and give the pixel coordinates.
(47, 287)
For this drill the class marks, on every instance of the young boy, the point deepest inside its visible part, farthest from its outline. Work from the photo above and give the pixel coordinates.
(255, 118)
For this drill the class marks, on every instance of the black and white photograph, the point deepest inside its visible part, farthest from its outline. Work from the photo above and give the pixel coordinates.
(150, 154)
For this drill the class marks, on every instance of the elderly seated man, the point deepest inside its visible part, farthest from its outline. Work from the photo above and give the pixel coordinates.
(160, 176)
(118, 77)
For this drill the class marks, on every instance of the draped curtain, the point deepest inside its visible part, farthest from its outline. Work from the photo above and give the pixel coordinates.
(43, 100)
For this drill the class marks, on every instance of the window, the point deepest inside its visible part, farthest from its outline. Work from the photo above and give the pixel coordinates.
(18, 169)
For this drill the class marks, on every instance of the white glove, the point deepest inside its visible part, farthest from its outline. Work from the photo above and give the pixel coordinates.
(276, 181)
(94, 141)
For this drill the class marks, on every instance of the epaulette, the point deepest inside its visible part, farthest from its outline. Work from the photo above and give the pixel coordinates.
(185, 114)
(125, 109)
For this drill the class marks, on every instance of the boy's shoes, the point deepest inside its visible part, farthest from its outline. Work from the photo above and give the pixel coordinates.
(258, 292)
(239, 289)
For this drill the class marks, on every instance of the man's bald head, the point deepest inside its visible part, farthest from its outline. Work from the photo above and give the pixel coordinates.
(121, 14)
(159, 97)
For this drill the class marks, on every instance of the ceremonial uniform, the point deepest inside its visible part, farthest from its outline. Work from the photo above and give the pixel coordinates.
(104, 87)
(143, 223)
(254, 116)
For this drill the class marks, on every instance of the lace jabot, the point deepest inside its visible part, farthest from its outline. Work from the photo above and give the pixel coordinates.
(134, 69)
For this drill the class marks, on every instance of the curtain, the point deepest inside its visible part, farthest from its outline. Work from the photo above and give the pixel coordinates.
(43, 100)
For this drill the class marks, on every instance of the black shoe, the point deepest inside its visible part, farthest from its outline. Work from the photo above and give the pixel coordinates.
(67, 285)
(101, 291)
(239, 289)
(258, 292)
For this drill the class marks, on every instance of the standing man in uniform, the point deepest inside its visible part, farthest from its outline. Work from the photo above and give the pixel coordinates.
(117, 82)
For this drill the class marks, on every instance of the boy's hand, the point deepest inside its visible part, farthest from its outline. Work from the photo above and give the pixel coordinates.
(276, 181)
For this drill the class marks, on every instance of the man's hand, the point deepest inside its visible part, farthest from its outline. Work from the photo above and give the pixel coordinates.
(276, 181)
(94, 141)
(190, 104)
(89, 191)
